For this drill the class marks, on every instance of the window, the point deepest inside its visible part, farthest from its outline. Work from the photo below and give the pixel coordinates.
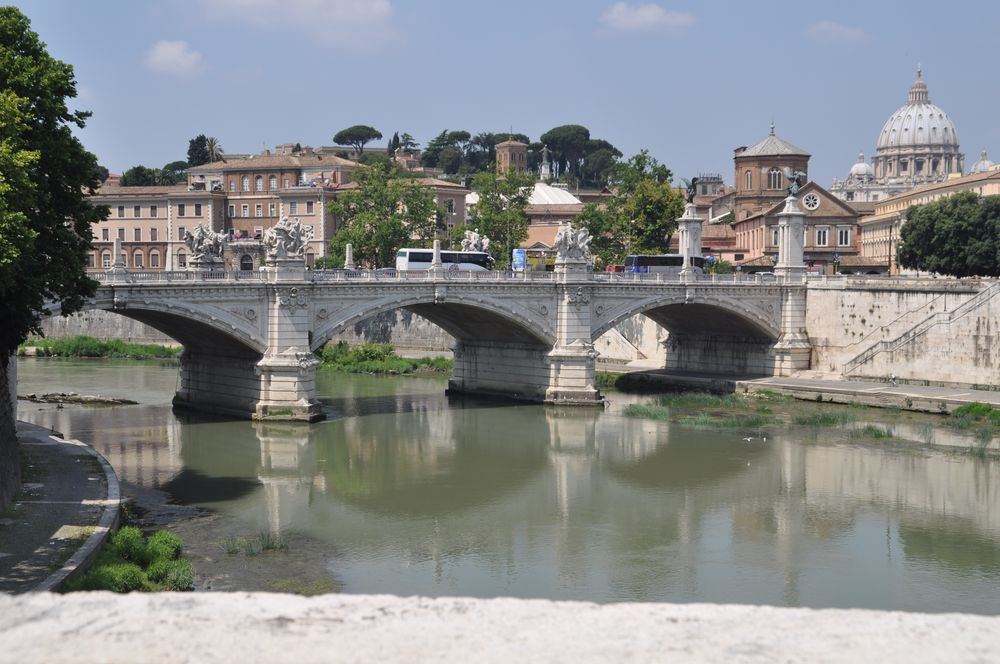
(154, 259)
(121, 234)
(246, 263)
(774, 236)
(258, 232)
(843, 237)
(135, 211)
(286, 183)
(747, 180)
(121, 210)
(181, 260)
(137, 259)
(258, 183)
(105, 234)
(293, 208)
(822, 236)
(137, 234)
(106, 260)
(774, 179)
(245, 210)
(152, 235)
(258, 210)
(180, 210)
(152, 211)
(197, 209)
(451, 206)
(309, 207)
(180, 233)
(737, 257)
(270, 210)
(903, 165)
(232, 185)
(245, 183)
(90, 259)
(272, 182)
(232, 211)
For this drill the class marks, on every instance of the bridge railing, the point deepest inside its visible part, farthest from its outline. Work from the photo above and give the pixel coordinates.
(170, 276)
(388, 274)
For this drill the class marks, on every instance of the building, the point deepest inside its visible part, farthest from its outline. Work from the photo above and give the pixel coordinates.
(760, 174)
(918, 145)
(879, 232)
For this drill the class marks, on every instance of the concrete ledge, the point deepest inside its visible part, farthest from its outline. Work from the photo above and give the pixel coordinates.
(259, 627)
(81, 560)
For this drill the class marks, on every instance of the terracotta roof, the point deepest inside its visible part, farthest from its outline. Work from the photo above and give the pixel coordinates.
(717, 231)
(512, 142)
(862, 261)
(159, 190)
(772, 146)
(759, 261)
(862, 207)
(543, 234)
(273, 161)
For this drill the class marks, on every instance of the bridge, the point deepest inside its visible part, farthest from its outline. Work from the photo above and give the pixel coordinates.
(249, 337)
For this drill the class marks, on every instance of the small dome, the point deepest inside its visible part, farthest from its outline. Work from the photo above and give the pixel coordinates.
(918, 123)
(984, 164)
(861, 169)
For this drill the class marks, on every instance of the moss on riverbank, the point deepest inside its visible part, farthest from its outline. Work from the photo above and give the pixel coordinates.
(84, 346)
(370, 358)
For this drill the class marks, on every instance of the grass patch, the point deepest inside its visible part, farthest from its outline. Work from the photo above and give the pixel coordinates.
(254, 545)
(129, 562)
(646, 412)
(733, 421)
(975, 415)
(607, 379)
(372, 358)
(871, 432)
(701, 400)
(824, 419)
(84, 346)
(299, 587)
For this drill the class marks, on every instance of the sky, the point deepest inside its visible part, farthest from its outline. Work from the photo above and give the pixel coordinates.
(688, 80)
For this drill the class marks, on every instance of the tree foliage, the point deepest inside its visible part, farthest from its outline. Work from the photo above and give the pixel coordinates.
(385, 212)
(198, 153)
(958, 236)
(357, 136)
(568, 144)
(45, 178)
(142, 176)
(214, 149)
(499, 213)
(641, 214)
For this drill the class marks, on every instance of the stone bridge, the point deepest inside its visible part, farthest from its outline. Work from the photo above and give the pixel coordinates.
(249, 337)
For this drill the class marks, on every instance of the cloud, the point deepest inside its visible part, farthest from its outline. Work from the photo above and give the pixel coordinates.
(173, 57)
(337, 23)
(835, 33)
(622, 16)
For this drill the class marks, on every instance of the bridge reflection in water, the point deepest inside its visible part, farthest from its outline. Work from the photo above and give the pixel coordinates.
(420, 495)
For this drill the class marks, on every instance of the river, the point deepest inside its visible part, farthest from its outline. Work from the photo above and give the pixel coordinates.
(403, 490)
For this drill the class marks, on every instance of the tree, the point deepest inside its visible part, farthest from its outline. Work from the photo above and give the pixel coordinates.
(198, 151)
(568, 144)
(450, 159)
(383, 213)
(393, 145)
(639, 217)
(958, 235)
(46, 176)
(214, 149)
(176, 167)
(407, 144)
(357, 137)
(499, 214)
(141, 176)
(102, 173)
(432, 152)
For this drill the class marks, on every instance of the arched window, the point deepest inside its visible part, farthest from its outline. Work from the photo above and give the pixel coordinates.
(137, 259)
(774, 179)
(272, 182)
(258, 183)
(246, 183)
(154, 259)
(246, 263)
(310, 258)
(747, 180)
(106, 259)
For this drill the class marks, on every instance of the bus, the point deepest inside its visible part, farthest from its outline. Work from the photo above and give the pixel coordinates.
(420, 259)
(668, 263)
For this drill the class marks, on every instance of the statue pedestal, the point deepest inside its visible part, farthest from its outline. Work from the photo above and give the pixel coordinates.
(285, 269)
(791, 242)
(572, 269)
(689, 240)
(288, 387)
(206, 264)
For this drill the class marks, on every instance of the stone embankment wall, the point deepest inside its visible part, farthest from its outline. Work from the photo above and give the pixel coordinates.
(942, 333)
(10, 466)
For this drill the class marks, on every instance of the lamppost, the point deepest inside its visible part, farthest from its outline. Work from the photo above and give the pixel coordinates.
(836, 262)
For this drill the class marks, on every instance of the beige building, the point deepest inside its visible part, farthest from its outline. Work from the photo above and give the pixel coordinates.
(759, 174)
(880, 231)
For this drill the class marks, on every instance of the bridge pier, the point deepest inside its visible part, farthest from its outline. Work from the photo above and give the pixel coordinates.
(572, 361)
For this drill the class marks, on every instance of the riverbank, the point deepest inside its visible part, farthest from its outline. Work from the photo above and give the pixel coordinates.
(371, 358)
(272, 628)
(84, 346)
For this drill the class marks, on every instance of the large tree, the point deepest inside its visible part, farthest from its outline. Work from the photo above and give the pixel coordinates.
(641, 214)
(383, 213)
(958, 235)
(357, 136)
(214, 149)
(45, 213)
(568, 144)
(499, 213)
(198, 151)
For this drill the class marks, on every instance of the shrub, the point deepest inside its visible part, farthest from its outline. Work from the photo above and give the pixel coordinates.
(118, 577)
(163, 544)
(129, 545)
(173, 574)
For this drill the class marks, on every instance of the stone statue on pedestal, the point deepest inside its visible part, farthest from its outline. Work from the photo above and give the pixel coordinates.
(205, 245)
(286, 239)
(794, 180)
(692, 188)
(473, 241)
(572, 244)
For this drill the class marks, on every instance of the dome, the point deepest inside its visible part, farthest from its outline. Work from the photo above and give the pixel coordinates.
(984, 164)
(861, 169)
(918, 123)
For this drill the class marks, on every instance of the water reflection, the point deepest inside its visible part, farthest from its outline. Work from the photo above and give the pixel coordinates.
(420, 494)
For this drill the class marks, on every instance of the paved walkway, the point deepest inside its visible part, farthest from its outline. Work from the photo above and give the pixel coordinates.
(60, 505)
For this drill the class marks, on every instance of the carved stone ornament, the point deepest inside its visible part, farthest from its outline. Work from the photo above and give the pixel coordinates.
(473, 241)
(286, 239)
(291, 298)
(205, 244)
(572, 244)
(579, 298)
